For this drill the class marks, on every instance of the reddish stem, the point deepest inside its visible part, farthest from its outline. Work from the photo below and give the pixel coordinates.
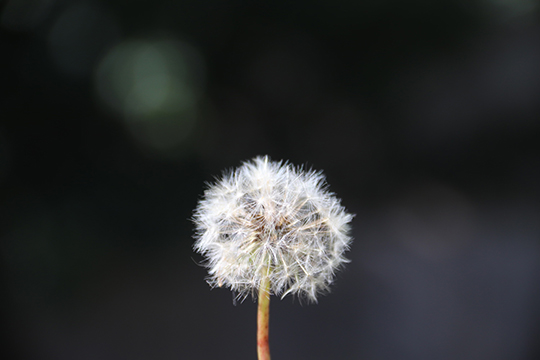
(263, 348)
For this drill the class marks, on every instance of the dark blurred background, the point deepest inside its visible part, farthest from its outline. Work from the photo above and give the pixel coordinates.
(424, 116)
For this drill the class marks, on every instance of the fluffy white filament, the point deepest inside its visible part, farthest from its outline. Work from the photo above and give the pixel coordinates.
(272, 219)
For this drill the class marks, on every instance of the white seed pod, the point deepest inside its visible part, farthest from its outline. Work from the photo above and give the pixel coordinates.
(271, 219)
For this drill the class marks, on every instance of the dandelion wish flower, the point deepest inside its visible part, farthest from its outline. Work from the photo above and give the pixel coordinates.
(270, 219)
(270, 228)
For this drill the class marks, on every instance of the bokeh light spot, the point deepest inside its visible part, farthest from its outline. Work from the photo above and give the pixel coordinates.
(155, 86)
(79, 37)
(24, 15)
(151, 85)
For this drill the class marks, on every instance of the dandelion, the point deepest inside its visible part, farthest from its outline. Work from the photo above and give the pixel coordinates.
(269, 228)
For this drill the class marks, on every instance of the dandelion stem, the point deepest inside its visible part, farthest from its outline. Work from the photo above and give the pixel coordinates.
(263, 348)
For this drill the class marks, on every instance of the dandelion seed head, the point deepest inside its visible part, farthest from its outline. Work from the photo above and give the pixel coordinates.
(271, 219)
